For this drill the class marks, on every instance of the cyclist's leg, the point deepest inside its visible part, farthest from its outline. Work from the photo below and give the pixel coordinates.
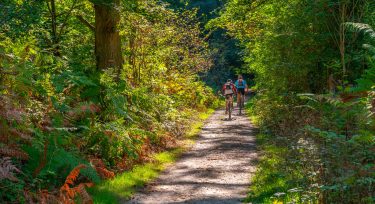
(227, 103)
(231, 101)
(243, 100)
(232, 96)
(238, 98)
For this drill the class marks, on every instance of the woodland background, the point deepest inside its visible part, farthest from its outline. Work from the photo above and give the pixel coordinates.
(90, 88)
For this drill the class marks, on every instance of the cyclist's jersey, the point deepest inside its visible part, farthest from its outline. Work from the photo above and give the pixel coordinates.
(229, 88)
(240, 84)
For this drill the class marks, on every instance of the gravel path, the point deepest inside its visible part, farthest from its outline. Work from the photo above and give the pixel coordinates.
(216, 170)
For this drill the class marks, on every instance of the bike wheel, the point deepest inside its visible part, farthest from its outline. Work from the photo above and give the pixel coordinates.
(240, 105)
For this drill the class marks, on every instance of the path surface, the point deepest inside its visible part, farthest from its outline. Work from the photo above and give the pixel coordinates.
(216, 170)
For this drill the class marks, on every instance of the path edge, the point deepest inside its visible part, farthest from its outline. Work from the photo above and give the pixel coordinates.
(160, 162)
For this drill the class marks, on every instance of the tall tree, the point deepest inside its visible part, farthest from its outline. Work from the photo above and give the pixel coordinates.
(107, 37)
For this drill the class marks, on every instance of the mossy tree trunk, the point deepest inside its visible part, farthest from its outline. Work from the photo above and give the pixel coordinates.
(107, 37)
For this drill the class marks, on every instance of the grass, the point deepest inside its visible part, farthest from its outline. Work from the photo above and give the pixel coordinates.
(124, 185)
(275, 180)
(250, 111)
(196, 127)
(271, 176)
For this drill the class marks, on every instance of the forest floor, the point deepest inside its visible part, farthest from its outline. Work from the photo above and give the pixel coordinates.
(217, 169)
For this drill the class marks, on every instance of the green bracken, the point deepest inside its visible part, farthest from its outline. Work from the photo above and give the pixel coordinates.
(124, 185)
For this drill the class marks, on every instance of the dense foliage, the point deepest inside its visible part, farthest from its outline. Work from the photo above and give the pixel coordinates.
(314, 67)
(88, 88)
(65, 121)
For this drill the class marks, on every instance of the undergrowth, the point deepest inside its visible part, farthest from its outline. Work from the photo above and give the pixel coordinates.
(60, 110)
(277, 175)
(315, 159)
(124, 185)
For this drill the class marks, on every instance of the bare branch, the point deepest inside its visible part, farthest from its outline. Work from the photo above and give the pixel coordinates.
(85, 22)
(49, 7)
(65, 21)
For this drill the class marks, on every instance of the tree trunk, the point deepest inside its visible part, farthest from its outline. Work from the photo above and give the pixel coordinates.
(55, 40)
(107, 37)
(342, 31)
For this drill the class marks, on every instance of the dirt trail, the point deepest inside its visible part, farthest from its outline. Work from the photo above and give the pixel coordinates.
(216, 170)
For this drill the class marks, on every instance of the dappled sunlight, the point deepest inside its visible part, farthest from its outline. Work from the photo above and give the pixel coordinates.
(216, 169)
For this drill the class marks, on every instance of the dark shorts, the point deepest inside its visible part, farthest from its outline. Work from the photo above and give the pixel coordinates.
(241, 91)
(228, 96)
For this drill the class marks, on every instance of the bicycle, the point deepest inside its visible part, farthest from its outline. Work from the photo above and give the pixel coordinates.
(241, 101)
(229, 105)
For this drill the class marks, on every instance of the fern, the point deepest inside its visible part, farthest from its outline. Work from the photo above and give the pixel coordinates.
(361, 28)
(74, 174)
(368, 78)
(67, 194)
(7, 169)
(101, 169)
(43, 160)
(46, 197)
(86, 198)
(104, 173)
(14, 153)
(20, 134)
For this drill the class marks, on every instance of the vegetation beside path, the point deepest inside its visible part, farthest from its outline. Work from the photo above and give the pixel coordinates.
(124, 185)
(81, 103)
(314, 66)
(91, 88)
(275, 176)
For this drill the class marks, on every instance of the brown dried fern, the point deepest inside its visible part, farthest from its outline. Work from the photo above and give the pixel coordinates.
(28, 198)
(7, 169)
(47, 198)
(67, 193)
(22, 135)
(86, 198)
(74, 174)
(14, 153)
(104, 173)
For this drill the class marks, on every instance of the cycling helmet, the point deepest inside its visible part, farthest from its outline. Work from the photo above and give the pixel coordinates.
(229, 80)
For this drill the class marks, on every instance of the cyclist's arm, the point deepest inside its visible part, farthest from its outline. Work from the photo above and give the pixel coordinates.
(223, 89)
(234, 89)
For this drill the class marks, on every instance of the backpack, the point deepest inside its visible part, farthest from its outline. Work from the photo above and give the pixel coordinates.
(228, 89)
(228, 86)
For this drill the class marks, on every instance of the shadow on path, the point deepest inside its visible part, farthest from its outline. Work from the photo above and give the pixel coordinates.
(216, 170)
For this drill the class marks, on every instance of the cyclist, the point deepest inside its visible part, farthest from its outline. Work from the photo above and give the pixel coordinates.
(241, 85)
(229, 89)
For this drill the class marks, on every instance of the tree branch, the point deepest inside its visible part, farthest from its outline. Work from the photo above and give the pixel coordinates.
(85, 22)
(49, 7)
(65, 21)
